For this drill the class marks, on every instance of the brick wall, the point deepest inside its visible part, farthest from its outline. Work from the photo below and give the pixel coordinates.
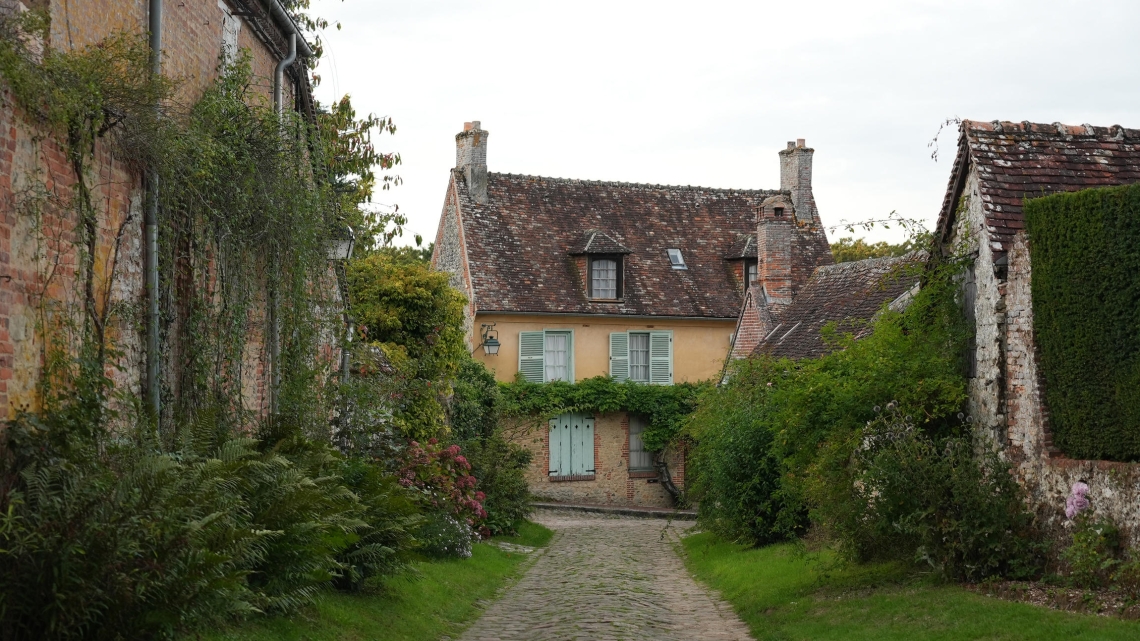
(38, 260)
(613, 484)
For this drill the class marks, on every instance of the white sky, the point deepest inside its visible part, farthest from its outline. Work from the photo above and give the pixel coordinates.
(706, 93)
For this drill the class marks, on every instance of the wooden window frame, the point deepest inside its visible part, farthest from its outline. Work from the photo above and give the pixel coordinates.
(619, 290)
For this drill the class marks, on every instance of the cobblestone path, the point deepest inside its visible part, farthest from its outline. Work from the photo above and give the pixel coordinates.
(605, 578)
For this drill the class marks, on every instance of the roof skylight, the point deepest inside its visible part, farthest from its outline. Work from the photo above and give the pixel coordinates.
(676, 259)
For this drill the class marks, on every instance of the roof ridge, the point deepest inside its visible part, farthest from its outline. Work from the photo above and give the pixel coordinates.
(870, 263)
(618, 183)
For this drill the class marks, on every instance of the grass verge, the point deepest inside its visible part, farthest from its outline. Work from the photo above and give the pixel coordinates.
(783, 595)
(436, 598)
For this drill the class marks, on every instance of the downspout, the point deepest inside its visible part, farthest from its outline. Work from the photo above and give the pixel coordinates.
(274, 299)
(153, 393)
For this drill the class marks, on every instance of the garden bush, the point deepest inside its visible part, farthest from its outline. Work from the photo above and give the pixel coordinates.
(774, 445)
(949, 503)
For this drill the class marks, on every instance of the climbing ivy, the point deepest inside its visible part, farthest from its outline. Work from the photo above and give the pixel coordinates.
(666, 407)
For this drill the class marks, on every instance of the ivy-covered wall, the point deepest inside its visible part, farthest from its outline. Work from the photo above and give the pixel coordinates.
(1085, 251)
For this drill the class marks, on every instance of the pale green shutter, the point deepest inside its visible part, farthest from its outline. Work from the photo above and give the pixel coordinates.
(619, 356)
(588, 445)
(661, 358)
(532, 347)
(555, 446)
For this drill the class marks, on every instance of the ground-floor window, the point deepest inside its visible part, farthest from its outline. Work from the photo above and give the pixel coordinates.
(572, 447)
(640, 460)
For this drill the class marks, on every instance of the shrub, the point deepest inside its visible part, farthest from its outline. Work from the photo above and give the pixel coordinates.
(441, 479)
(776, 442)
(498, 466)
(1093, 558)
(1086, 281)
(946, 502)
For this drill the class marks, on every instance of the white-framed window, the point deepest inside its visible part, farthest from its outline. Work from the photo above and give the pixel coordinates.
(547, 355)
(605, 277)
(640, 460)
(639, 357)
(676, 259)
(626, 365)
(751, 272)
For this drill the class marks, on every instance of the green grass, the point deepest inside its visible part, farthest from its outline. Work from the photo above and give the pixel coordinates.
(438, 598)
(784, 595)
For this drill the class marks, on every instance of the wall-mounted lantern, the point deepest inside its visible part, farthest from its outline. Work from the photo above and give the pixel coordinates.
(490, 338)
(340, 243)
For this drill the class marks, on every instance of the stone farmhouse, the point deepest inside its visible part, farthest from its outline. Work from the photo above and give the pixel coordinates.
(998, 166)
(195, 35)
(571, 279)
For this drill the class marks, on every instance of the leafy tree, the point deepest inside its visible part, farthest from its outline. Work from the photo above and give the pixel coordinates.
(417, 319)
(850, 249)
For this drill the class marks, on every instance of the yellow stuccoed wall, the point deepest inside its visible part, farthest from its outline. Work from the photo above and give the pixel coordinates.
(699, 346)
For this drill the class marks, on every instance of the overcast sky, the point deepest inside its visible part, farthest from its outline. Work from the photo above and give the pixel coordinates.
(705, 93)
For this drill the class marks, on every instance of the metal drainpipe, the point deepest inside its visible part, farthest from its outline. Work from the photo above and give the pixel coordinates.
(274, 299)
(154, 397)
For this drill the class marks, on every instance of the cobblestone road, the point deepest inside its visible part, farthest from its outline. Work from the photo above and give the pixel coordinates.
(605, 578)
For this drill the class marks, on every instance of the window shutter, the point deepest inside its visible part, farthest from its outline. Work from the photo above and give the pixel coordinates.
(532, 347)
(587, 446)
(661, 358)
(619, 356)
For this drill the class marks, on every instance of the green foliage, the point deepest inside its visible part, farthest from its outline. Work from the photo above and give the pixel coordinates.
(954, 505)
(1085, 248)
(499, 465)
(798, 422)
(1095, 553)
(665, 406)
(851, 249)
(416, 318)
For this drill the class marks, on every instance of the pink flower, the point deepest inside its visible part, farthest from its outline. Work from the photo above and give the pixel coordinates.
(479, 496)
(432, 441)
(1077, 503)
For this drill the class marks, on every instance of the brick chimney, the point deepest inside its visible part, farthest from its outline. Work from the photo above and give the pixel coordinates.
(795, 176)
(471, 158)
(775, 237)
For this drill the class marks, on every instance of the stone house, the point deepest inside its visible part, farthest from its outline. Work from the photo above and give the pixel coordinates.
(998, 166)
(575, 279)
(196, 34)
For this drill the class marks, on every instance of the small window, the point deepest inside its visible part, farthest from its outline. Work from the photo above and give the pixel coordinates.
(779, 212)
(639, 459)
(639, 357)
(676, 259)
(605, 277)
(557, 356)
(751, 271)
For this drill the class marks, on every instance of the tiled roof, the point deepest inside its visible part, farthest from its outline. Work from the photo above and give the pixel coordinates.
(744, 247)
(1023, 160)
(519, 244)
(848, 293)
(598, 242)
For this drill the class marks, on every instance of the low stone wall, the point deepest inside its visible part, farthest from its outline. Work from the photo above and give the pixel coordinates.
(613, 483)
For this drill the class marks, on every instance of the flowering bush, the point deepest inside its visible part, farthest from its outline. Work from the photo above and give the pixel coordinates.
(443, 477)
(1077, 501)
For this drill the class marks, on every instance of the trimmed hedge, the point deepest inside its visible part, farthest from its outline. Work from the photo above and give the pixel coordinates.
(1085, 248)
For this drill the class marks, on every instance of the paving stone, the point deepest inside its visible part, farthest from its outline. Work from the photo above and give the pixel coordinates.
(605, 578)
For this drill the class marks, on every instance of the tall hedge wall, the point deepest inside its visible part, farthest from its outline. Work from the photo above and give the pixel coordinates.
(1085, 251)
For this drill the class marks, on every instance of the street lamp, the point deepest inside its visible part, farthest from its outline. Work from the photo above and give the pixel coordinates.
(490, 339)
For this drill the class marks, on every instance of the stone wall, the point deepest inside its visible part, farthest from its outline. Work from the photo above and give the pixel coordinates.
(450, 255)
(613, 483)
(1006, 396)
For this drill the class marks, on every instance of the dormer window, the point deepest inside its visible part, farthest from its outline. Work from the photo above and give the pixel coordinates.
(676, 260)
(778, 212)
(605, 276)
(751, 271)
